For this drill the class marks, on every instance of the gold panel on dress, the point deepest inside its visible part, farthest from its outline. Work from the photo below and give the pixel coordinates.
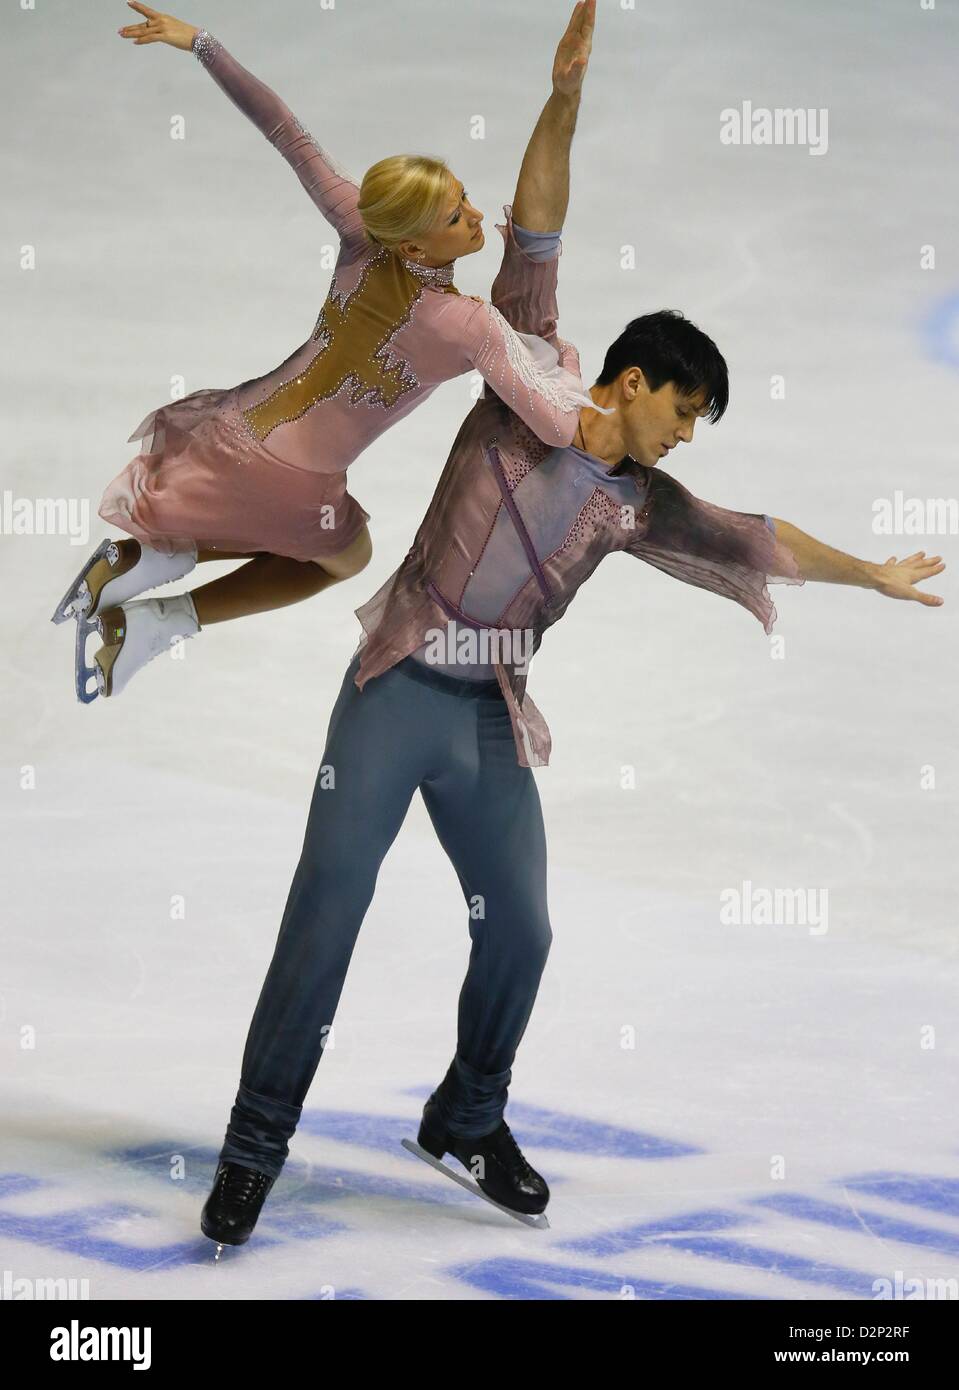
(357, 346)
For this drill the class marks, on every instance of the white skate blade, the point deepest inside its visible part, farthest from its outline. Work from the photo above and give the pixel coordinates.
(83, 674)
(527, 1218)
(151, 571)
(63, 609)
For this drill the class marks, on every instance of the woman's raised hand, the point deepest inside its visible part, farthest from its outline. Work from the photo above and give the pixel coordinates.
(159, 28)
(572, 56)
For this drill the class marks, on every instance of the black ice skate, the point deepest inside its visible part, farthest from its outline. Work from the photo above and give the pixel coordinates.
(232, 1208)
(503, 1175)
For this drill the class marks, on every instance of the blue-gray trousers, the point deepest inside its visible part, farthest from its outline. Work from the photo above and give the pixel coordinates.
(409, 728)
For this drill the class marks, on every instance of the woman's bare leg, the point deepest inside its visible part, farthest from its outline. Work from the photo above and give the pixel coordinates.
(202, 555)
(273, 581)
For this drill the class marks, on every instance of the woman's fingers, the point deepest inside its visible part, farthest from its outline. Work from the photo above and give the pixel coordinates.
(133, 31)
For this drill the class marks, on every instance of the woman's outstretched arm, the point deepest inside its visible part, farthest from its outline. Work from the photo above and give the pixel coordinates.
(329, 187)
(547, 395)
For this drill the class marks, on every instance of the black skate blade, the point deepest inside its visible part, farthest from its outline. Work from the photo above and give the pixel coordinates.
(60, 616)
(84, 673)
(527, 1218)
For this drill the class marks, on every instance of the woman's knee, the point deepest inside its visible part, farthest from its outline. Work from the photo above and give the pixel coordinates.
(352, 560)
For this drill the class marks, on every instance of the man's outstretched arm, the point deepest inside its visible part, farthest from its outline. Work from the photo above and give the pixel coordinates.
(542, 189)
(895, 578)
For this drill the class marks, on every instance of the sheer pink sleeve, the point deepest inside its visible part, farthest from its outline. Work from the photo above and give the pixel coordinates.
(538, 380)
(734, 554)
(330, 188)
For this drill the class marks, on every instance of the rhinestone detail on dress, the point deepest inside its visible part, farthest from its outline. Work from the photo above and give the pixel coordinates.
(359, 390)
(343, 297)
(430, 274)
(205, 46)
(327, 157)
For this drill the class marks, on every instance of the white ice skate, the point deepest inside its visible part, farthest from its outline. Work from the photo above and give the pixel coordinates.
(133, 635)
(109, 578)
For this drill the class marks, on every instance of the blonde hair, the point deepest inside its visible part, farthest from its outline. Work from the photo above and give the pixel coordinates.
(402, 196)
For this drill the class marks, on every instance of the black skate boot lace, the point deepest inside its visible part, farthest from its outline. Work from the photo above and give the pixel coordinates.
(242, 1184)
(514, 1151)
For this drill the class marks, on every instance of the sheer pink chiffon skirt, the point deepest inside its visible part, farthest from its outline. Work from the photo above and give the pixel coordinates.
(200, 480)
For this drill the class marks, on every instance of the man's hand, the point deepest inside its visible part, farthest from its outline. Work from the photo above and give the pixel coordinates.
(542, 190)
(895, 579)
(572, 56)
(898, 578)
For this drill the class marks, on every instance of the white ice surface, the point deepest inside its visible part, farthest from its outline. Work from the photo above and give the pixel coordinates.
(753, 1042)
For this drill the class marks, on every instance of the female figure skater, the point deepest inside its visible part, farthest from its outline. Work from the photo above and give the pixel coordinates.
(258, 470)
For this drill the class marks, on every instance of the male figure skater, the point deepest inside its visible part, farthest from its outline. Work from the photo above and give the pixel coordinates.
(513, 529)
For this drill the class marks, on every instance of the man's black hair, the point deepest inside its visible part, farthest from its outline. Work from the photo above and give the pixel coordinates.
(667, 347)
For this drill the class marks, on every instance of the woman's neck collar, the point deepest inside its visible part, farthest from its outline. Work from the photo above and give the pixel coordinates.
(430, 274)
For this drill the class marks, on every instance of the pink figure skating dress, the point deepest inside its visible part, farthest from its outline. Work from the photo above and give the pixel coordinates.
(262, 466)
